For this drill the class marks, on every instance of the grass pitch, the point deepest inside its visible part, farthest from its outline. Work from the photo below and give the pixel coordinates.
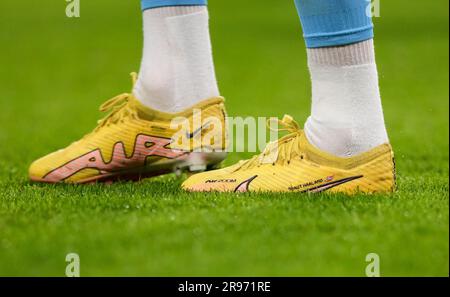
(55, 72)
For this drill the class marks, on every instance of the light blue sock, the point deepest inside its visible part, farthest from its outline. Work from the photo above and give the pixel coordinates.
(149, 4)
(334, 22)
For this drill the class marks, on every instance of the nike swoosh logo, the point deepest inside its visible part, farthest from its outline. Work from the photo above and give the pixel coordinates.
(245, 186)
(326, 187)
(193, 134)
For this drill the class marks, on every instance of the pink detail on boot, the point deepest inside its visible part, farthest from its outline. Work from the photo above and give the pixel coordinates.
(145, 146)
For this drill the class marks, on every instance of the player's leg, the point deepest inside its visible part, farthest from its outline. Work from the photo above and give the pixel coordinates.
(177, 69)
(347, 117)
(135, 139)
(344, 147)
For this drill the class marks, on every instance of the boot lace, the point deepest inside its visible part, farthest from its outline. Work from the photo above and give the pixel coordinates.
(281, 151)
(118, 107)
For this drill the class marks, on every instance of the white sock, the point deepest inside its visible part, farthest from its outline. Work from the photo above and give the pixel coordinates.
(347, 116)
(177, 69)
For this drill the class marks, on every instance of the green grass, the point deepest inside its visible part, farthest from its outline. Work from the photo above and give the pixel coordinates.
(55, 71)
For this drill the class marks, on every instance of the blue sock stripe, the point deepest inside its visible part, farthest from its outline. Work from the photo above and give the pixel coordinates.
(149, 4)
(334, 22)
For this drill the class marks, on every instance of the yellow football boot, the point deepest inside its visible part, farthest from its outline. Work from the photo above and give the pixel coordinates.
(134, 142)
(292, 164)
